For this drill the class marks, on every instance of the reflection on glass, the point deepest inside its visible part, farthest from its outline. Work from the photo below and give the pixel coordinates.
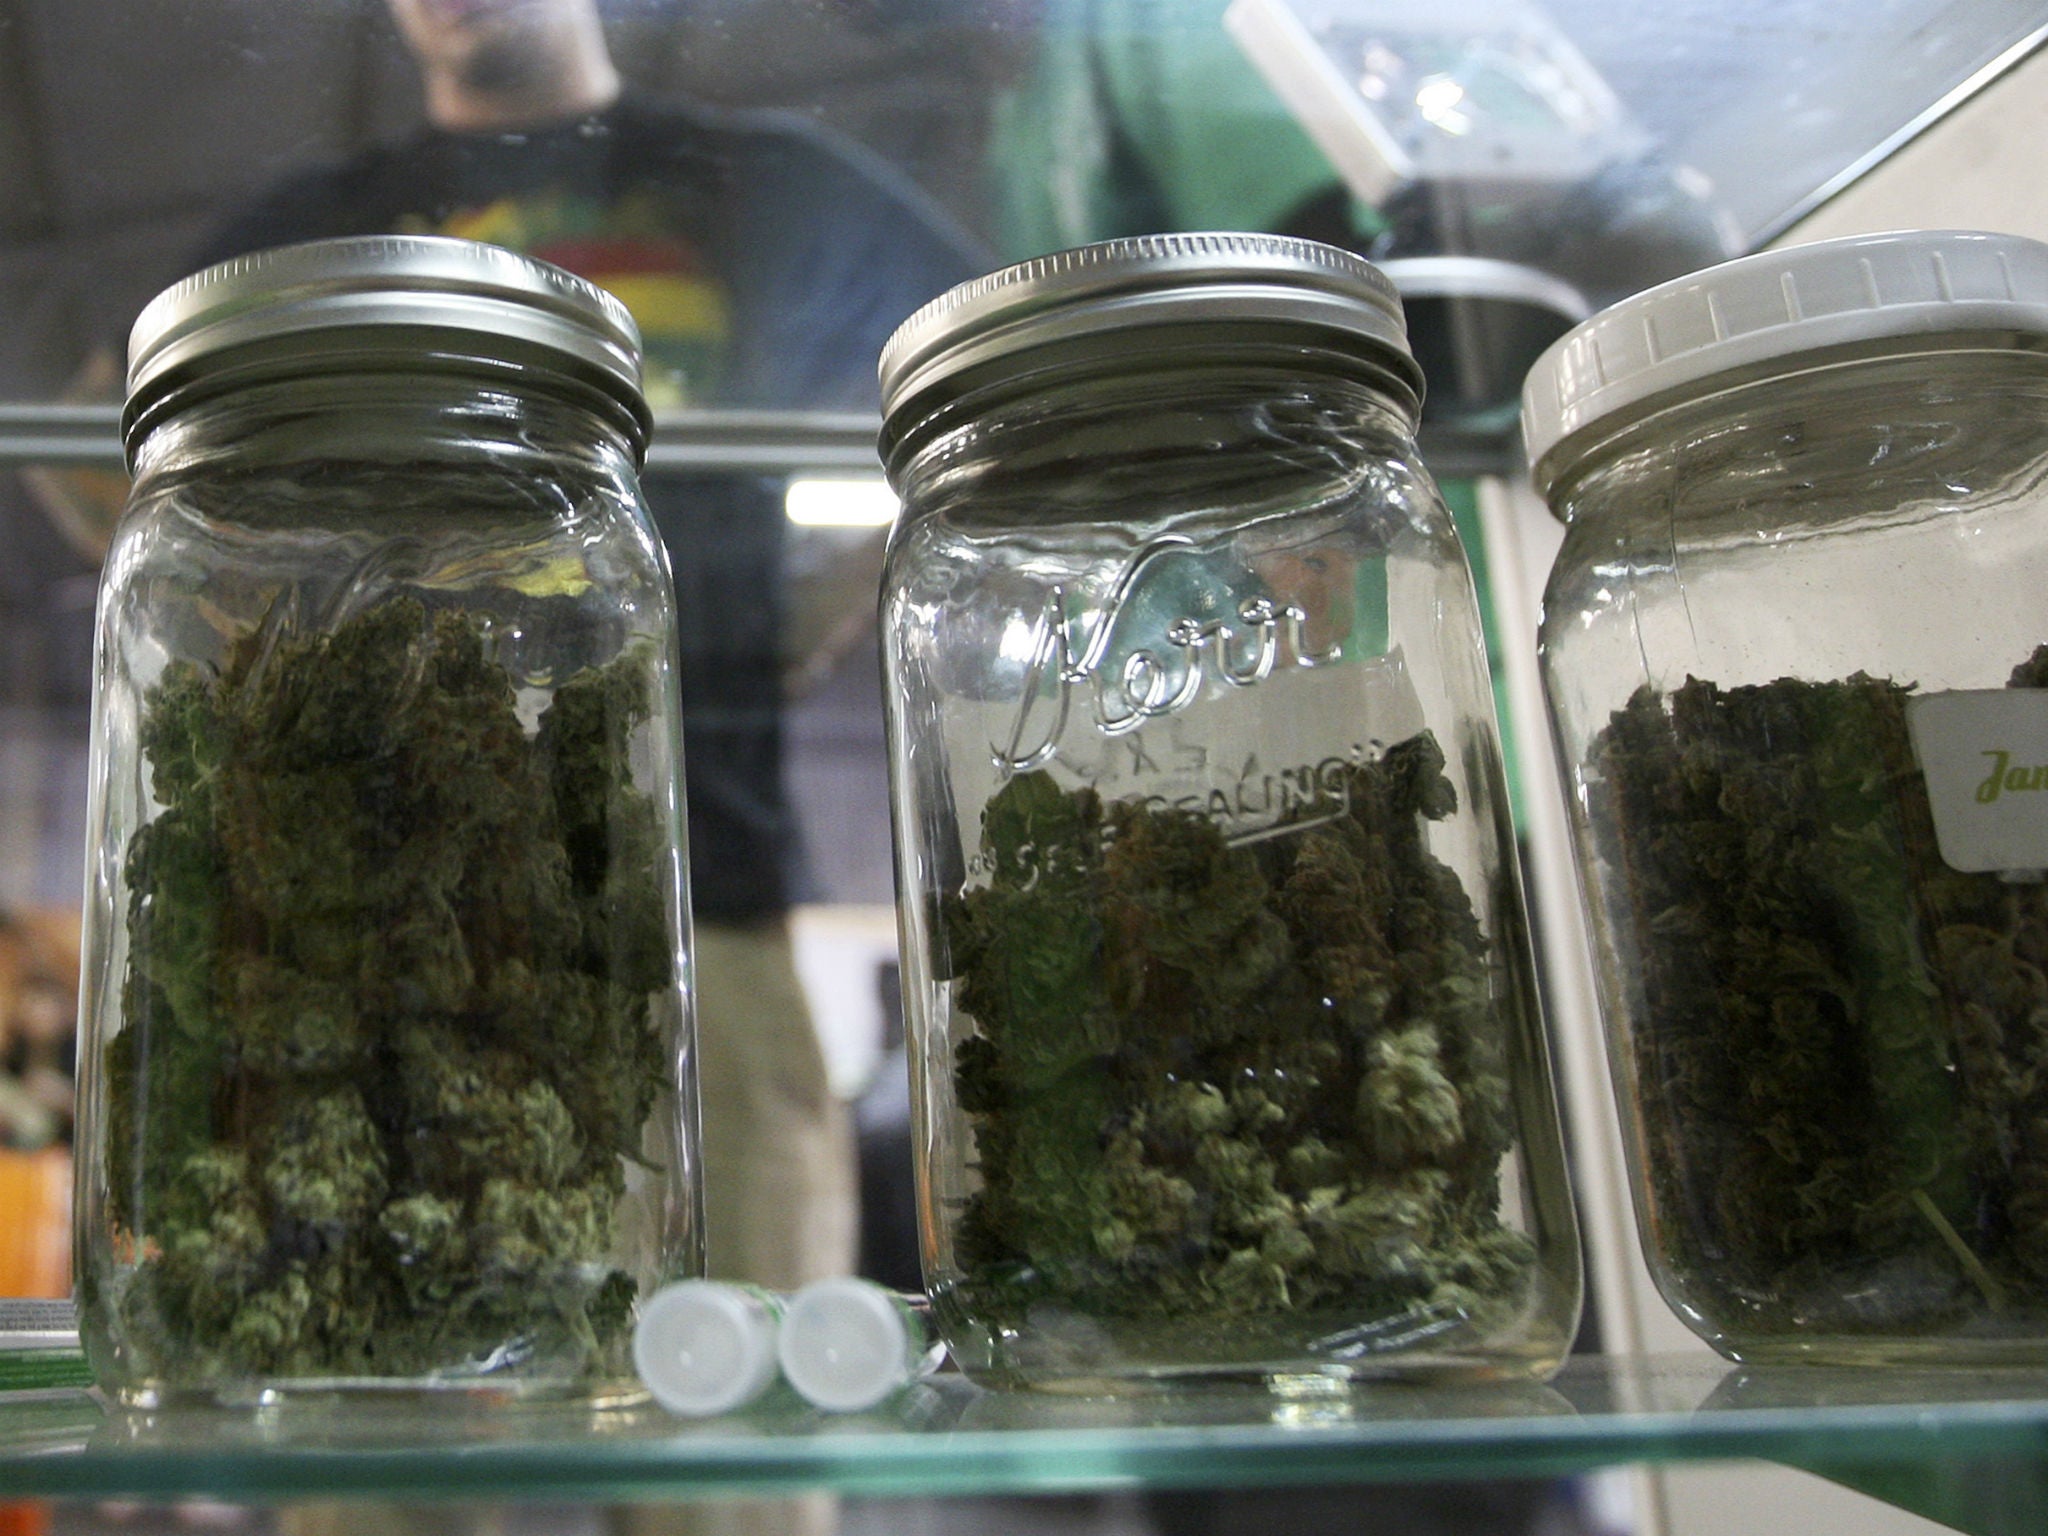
(1482, 89)
(1604, 142)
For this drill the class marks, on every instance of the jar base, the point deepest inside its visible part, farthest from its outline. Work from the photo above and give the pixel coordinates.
(1934, 1351)
(1282, 1385)
(370, 1391)
(1303, 1379)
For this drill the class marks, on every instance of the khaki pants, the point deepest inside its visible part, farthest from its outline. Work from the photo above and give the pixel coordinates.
(779, 1177)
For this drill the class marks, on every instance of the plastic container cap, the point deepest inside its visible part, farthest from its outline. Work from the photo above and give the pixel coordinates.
(1744, 316)
(847, 1344)
(704, 1348)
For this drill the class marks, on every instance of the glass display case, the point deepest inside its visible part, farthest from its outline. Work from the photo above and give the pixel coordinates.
(139, 139)
(1963, 1448)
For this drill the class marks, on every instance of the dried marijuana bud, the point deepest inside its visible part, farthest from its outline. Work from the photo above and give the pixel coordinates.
(389, 1022)
(1213, 1082)
(1839, 1044)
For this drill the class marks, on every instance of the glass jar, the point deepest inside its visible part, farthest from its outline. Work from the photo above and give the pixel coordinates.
(1225, 1049)
(1793, 648)
(386, 1068)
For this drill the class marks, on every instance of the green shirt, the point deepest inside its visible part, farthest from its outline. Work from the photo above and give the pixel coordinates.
(1141, 116)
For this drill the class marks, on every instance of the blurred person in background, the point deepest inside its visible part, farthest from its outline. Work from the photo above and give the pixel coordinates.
(765, 261)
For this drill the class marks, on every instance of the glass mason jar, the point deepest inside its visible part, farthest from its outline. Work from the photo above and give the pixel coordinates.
(1794, 652)
(1225, 1048)
(386, 1075)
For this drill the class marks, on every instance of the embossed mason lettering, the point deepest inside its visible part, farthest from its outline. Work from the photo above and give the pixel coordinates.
(1263, 803)
(1151, 681)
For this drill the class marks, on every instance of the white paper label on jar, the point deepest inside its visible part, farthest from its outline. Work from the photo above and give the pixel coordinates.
(1985, 755)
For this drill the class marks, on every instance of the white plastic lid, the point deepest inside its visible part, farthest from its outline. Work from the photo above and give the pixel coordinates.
(846, 1344)
(704, 1347)
(1744, 315)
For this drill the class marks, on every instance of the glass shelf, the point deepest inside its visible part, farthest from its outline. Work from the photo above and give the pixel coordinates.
(1967, 1447)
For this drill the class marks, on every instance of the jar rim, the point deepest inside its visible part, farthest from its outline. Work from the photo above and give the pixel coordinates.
(1773, 312)
(1657, 421)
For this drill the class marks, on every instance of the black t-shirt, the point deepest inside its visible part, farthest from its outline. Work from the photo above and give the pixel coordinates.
(766, 263)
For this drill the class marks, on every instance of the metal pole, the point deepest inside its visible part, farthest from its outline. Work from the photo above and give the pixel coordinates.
(764, 442)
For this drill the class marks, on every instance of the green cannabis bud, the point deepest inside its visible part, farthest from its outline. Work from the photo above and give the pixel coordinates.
(1213, 1082)
(390, 1024)
(1839, 1043)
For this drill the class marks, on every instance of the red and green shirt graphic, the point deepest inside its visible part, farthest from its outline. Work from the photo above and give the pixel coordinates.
(684, 312)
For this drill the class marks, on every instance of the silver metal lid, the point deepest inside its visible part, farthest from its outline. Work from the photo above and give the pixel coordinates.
(1015, 318)
(378, 300)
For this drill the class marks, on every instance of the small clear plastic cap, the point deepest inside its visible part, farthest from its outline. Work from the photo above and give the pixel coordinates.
(847, 1344)
(703, 1347)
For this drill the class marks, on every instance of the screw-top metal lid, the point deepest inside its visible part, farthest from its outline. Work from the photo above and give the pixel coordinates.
(381, 301)
(1769, 312)
(1120, 292)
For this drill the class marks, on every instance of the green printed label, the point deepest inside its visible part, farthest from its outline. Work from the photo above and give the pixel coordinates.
(1984, 753)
